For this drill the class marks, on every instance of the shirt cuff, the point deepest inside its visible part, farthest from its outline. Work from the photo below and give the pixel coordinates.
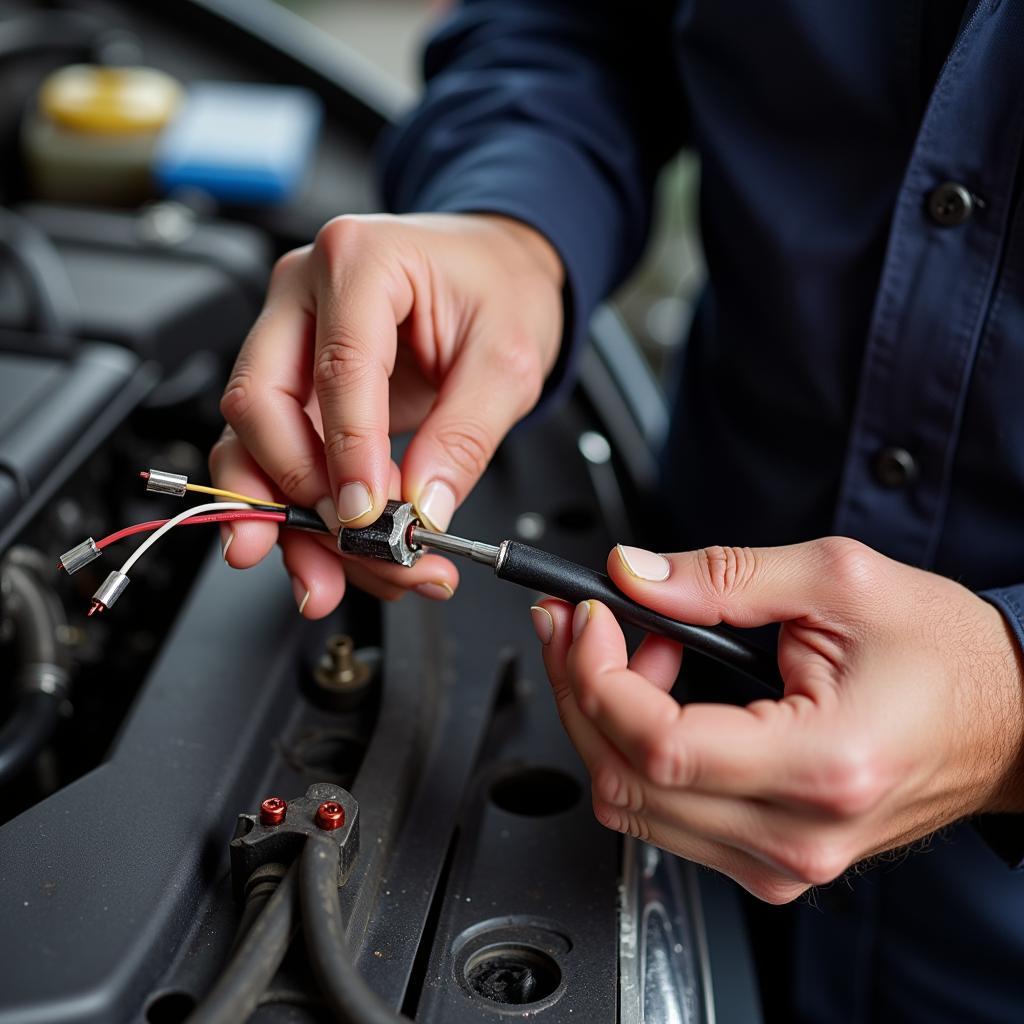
(1004, 833)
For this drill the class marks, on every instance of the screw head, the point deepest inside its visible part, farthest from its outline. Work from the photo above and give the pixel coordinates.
(272, 811)
(330, 815)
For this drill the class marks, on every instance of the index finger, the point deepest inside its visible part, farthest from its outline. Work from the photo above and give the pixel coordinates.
(712, 748)
(360, 302)
(264, 401)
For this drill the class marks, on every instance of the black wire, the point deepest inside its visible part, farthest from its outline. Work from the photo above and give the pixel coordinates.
(237, 992)
(349, 998)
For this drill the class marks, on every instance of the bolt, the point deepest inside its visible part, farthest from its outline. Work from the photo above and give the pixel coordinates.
(340, 670)
(330, 815)
(272, 811)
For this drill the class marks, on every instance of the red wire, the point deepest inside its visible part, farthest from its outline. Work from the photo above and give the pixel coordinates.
(214, 517)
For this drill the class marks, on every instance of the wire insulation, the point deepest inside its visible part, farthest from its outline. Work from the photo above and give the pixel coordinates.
(219, 517)
(219, 492)
(196, 510)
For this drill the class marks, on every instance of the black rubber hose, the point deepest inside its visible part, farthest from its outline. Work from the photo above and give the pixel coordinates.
(25, 733)
(236, 993)
(51, 297)
(36, 615)
(349, 999)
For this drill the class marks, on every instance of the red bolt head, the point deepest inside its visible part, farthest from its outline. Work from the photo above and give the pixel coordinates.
(272, 811)
(330, 815)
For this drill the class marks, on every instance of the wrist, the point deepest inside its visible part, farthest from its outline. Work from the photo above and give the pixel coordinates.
(537, 249)
(1000, 670)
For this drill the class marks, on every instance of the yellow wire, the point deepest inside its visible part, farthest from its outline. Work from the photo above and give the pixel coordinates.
(217, 492)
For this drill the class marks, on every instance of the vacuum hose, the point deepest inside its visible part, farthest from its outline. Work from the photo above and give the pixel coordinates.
(36, 616)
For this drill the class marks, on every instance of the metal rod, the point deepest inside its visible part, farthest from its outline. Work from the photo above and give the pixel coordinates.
(488, 554)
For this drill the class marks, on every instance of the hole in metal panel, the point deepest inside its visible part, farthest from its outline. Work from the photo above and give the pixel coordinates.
(170, 1008)
(536, 792)
(513, 975)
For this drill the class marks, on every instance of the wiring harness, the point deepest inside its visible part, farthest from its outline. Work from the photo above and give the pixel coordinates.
(232, 507)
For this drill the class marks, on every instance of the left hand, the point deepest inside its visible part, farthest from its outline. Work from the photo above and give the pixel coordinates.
(903, 711)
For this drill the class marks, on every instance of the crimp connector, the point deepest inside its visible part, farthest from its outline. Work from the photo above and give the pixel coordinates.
(108, 592)
(80, 555)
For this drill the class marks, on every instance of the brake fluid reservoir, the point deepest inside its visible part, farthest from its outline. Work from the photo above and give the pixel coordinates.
(91, 133)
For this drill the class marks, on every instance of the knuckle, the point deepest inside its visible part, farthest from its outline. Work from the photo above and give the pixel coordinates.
(238, 397)
(851, 782)
(726, 570)
(815, 861)
(518, 367)
(468, 446)
(848, 562)
(301, 470)
(663, 761)
(774, 890)
(612, 786)
(340, 364)
(284, 266)
(619, 820)
(341, 239)
(339, 443)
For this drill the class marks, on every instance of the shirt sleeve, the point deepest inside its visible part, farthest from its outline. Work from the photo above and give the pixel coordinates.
(556, 113)
(1004, 833)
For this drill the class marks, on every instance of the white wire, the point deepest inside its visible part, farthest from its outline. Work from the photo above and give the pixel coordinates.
(195, 510)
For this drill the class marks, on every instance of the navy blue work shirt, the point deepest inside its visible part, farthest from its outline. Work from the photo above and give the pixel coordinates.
(856, 365)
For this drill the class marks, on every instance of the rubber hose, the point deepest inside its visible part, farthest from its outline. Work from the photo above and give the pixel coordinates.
(236, 993)
(349, 998)
(37, 616)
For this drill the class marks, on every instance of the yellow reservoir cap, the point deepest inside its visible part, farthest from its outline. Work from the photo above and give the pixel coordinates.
(109, 100)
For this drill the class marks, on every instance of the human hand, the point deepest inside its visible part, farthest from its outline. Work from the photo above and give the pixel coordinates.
(443, 324)
(903, 711)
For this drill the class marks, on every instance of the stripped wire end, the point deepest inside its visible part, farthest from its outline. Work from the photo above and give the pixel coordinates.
(80, 555)
(96, 606)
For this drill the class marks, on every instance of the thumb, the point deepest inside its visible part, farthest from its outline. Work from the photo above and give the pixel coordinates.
(483, 395)
(750, 586)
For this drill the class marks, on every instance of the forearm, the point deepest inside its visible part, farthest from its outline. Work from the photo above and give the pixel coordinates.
(545, 113)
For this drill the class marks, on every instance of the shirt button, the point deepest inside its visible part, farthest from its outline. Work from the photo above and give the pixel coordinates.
(950, 204)
(895, 467)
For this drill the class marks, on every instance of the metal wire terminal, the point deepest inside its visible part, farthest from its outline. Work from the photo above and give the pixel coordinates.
(108, 592)
(80, 555)
(160, 482)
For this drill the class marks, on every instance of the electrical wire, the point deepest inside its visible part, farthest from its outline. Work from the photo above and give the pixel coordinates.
(349, 997)
(219, 492)
(254, 515)
(213, 506)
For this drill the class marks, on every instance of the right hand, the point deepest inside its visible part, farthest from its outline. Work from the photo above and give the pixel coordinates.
(442, 324)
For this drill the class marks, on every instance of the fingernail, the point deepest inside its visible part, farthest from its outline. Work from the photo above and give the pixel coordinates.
(326, 510)
(580, 618)
(543, 624)
(226, 537)
(436, 591)
(353, 501)
(644, 565)
(301, 593)
(436, 505)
